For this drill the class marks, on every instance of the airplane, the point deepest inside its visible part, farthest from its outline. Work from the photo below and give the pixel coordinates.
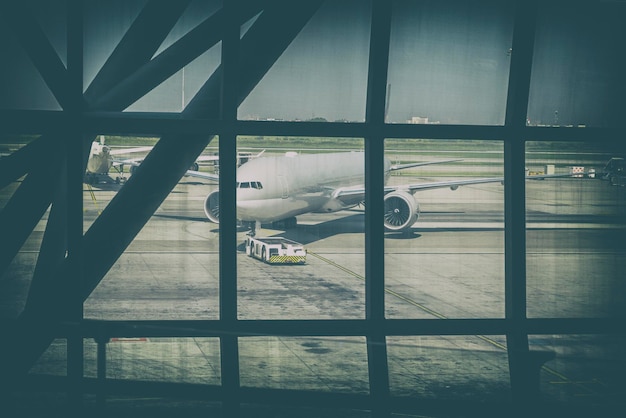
(102, 158)
(614, 171)
(279, 188)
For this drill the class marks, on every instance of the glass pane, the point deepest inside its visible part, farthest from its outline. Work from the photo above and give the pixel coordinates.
(168, 80)
(444, 245)
(169, 270)
(577, 76)
(468, 368)
(104, 27)
(51, 15)
(318, 364)
(302, 198)
(111, 162)
(53, 362)
(10, 144)
(175, 360)
(16, 277)
(22, 84)
(575, 226)
(322, 74)
(449, 62)
(586, 369)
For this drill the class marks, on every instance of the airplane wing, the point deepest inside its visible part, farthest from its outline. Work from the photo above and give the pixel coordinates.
(203, 175)
(119, 151)
(396, 167)
(208, 158)
(355, 195)
(216, 177)
(130, 161)
(452, 184)
(240, 154)
(352, 196)
(119, 162)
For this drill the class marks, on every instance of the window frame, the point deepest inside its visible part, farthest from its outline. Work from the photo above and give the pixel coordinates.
(375, 327)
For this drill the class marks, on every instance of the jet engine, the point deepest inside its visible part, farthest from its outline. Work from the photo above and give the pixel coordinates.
(401, 210)
(212, 206)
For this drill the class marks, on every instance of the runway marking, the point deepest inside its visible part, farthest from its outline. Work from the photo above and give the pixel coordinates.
(129, 340)
(427, 225)
(399, 296)
(564, 379)
(93, 198)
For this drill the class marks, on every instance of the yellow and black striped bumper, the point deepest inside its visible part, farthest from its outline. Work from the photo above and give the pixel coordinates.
(287, 259)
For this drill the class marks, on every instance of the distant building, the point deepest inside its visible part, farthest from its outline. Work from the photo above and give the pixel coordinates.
(420, 120)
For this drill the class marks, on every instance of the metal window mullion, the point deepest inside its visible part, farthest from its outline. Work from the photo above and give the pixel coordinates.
(74, 184)
(229, 346)
(515, 197)
(374, 214)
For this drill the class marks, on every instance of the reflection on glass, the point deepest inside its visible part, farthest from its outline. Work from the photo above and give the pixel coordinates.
(53, 361)
(449, 261)
(170, 269)
(322, 75)
(173, 360)
(15, 279)
(575, 225)
(576, 74)
(22, 85)
(302, 228)
(449, 62)
(469, 368)
(172, 77)
(306, 363)
(110, 163)
(9, 145)
(586, 369)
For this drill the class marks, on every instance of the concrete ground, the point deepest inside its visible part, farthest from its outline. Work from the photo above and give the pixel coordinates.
(451, 265)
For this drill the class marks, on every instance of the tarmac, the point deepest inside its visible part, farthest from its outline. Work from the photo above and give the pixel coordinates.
(451, 266)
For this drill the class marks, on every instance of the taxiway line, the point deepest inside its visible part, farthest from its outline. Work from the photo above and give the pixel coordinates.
(488, 340)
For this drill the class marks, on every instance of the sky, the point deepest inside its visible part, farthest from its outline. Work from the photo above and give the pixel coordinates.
(449, 62)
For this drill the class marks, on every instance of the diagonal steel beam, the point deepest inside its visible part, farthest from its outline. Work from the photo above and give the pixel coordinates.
(199, 40)
(26, 207)
(54, 243)
(34, 154)
(146, 190)
(137, 46)
(19, 18)
(146, 33)
(135, 49)
(121, 93)
(133, 206)
(273, 32)
(190, 46)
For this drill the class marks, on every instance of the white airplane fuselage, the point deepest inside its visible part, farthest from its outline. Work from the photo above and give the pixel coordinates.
(276, 188)
(279, 188)
(100, 160)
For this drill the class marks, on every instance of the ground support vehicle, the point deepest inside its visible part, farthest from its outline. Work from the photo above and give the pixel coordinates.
(275, 250)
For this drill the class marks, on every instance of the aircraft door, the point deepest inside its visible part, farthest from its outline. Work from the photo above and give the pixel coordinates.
(284, 186)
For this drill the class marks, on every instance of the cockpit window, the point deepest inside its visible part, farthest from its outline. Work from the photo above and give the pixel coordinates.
(249, 185)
